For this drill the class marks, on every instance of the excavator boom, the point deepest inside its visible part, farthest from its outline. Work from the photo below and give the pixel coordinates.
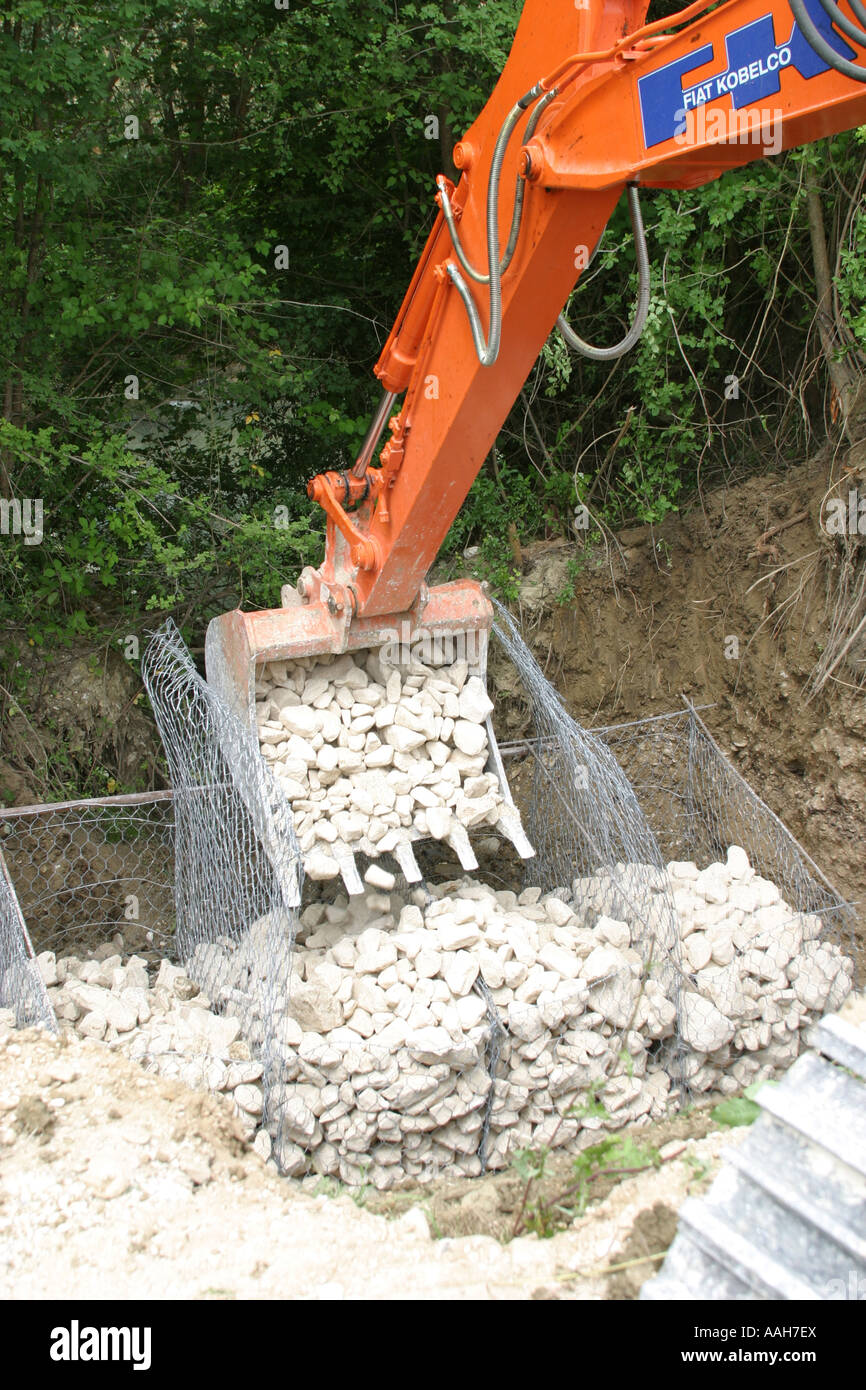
(592, 101)
(621, 102)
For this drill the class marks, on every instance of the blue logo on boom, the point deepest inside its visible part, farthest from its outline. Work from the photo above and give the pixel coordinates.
(753, 63)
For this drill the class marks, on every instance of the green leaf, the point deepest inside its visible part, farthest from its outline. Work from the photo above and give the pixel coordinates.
(735, 1111)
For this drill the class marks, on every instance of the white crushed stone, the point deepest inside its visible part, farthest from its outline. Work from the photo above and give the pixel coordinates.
(383, 1046)
(372, 755)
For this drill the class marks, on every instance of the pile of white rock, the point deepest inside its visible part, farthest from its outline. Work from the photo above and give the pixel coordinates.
(157, 1016)
(419, 1022)
(373, 755)
(384, 1046)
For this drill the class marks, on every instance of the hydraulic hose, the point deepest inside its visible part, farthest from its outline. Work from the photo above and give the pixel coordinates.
(816, 40)
(619, 349)
(489, 351)
(517, 215)
(831, 9)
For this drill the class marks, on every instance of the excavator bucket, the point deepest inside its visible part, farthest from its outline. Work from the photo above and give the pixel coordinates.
(378, 729)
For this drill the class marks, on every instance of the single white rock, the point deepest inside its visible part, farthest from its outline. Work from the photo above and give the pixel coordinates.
(439, 821)
(525, 1021)
(602, 961)
(613, 931)
(473, 703)
(704, 1027)
(301, 720)
(698, 949)
(738, 863)
(562, 962)
(460, 971)
(455, 936)
(378, 877)
(403, 739)
(470, 739)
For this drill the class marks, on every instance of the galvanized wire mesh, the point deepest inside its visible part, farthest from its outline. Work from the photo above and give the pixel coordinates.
(695, 980)
(740, 935)
(21, 987)
(238, 868)
(85, 870)
(698, 804)
(585, 821)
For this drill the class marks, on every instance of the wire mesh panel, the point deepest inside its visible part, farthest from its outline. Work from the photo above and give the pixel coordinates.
(21, 987)
(594, 842)
(698, 804)
(738, 932)
(238, 869)
(85, 870)
(589, 831)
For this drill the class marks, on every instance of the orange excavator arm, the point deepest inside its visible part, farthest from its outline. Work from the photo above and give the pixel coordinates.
(658, 110)
(591, 101)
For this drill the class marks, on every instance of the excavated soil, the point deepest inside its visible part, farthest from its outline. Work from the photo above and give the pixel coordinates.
(643, 629)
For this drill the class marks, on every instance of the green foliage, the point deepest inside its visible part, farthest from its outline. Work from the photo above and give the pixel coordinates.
(304, 132)
(612, 1157)
(735, 1112)
(700, 1169)
(156, 258)
(574, 568)
(723, 355)
(506, 503)
(739, 1110)
(142, 538)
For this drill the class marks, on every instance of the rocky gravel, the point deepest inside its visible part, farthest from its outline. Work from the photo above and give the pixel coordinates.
(374, 755)
(436, 1032)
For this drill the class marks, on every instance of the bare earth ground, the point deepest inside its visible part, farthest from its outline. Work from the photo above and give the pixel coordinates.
(625, 650)
(117, 1184)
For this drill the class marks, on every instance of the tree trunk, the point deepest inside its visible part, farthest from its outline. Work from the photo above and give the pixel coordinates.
(834, 334)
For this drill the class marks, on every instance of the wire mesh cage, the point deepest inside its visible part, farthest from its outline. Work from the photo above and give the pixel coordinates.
(22, 989)
(691, 933)
(86, 870)
(238, 871)
(698, 804)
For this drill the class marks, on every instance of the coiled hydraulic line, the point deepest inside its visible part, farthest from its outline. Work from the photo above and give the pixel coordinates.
(599, 354)
(816, 40)
(489, 351)
(517, 215)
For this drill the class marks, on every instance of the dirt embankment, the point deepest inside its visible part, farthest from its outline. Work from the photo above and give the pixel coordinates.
(632, 632)
(72, 724)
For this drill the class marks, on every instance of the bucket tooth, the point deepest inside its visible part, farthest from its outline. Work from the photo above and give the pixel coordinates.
(509, 824)
(509, 821)
(408, 864)
(458, 839)
(453, 618)
(291, 890)
(349, 872)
